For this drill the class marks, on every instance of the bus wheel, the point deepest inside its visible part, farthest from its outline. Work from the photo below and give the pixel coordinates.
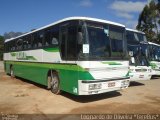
(12, 72)
(54, 83)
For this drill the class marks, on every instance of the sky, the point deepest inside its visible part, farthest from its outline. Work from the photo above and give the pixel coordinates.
(25, 15)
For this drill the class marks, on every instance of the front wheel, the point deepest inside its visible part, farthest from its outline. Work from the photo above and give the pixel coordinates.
(54, 83)
(12, 72)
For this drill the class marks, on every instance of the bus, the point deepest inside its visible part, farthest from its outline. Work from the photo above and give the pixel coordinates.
(138, 52)
(155, 57)
(78, 55)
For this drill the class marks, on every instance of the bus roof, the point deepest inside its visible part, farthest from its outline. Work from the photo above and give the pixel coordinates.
(67, 19)
(153, 43)
(133, 30)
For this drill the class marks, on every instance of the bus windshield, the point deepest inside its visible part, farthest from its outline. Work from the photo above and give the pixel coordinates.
(140, 58)
(145, 49)
(105, 41)
(155, 52)
(133, 37)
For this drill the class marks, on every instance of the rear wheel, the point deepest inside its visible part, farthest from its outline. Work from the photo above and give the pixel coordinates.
(54, 83)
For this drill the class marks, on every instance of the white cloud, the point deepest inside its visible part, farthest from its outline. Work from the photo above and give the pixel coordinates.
(128, 6)
(86, 3)
(125, 15)
(131, 24)
(127, 10)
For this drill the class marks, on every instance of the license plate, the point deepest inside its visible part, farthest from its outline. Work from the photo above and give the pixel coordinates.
(141, 76)
(111, 84)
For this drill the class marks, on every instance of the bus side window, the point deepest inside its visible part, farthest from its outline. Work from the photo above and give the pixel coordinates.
(72, 43)
(25, 42)
(63, 39)
(29, 44)
(40, 38)
(54, 35)
(47, 40)
(19, 44)
(35, 44)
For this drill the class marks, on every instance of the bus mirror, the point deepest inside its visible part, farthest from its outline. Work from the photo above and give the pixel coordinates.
(80, 38)
(132, 60)
(85, 48)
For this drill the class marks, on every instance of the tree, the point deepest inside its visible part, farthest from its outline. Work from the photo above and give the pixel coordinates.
(1, 47)
(149, 21)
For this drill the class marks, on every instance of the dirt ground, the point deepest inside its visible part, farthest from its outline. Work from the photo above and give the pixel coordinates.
(19, 96)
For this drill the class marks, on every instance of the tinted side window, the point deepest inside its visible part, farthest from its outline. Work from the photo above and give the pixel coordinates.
(11, 45)
(27, 42)
(63, 38)
(35, 40)
(72, 43)
(54, 35)
(47, 40)
(40, 37)
(19, 44)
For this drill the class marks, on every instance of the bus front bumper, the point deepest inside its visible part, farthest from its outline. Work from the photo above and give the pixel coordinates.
(156, 72)
(90, 87)
(140, 76)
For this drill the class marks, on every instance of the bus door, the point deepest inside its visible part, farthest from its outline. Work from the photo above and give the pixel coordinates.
(68, 46)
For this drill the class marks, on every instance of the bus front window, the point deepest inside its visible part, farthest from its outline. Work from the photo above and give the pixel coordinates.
(116, 37)
(155, 53)
(99, 43)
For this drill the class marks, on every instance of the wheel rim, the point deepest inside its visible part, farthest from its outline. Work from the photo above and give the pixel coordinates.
(12, 74)
(54, 83)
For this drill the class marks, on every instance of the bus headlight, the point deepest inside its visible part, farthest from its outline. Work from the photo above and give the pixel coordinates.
(95, 86)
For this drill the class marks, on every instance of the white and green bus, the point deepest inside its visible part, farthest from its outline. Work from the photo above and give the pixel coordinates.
(155, 57)
(79, 55)
(140, 68)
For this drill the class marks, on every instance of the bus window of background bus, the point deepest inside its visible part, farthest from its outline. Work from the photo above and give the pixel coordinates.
(116, 35)
(132, 37)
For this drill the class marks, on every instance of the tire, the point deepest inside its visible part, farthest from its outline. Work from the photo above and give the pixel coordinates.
(54, 83)
(12, 72)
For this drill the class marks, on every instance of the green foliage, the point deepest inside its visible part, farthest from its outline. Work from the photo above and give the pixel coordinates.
(149, 21)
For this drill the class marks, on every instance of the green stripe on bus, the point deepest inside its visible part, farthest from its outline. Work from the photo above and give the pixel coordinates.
(49, 65)
(55, 49)
(112, 63)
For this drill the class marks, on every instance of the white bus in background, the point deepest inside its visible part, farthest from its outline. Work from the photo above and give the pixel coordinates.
(138, 52)
(154, 57)
(79, 55)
